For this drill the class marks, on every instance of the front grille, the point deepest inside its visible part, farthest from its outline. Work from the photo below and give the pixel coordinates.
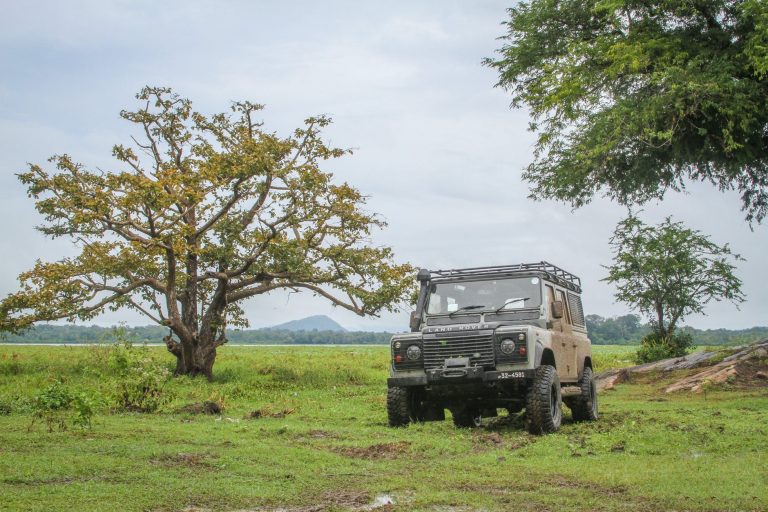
(458, 319)
(477, 347)
(512, 315)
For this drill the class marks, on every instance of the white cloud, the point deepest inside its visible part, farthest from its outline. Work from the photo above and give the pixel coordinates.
(410, 31)
(436, 146)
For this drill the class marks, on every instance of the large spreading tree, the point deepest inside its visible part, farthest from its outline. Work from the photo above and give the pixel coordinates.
(633, 98)
(202, 213)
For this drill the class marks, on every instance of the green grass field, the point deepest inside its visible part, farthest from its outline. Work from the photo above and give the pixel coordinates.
(320, 442)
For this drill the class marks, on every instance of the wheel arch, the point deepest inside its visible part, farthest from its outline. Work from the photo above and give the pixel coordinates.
(544, 355)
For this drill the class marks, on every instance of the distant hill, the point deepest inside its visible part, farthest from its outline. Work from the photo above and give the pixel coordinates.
(311, 323)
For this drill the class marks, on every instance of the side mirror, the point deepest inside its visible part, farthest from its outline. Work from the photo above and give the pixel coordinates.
(415, 321)
(557, 309)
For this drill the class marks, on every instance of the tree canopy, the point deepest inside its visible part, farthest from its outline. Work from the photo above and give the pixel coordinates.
(633, 98)
(620, 330)
(669, 271)
(203, 213)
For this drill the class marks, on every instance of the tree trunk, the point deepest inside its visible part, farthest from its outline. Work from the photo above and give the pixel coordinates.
(660, 321)
(195, 356)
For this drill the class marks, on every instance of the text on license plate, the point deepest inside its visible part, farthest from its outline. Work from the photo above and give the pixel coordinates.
(511, 375)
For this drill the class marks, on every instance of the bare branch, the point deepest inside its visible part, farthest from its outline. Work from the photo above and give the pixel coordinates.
(147, 313)
(330, 297)
(224, 209)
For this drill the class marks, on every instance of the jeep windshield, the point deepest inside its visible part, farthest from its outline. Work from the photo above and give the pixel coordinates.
(490, 295)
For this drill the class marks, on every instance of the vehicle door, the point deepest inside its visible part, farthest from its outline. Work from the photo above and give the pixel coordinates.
(584, 349)
(565, 343)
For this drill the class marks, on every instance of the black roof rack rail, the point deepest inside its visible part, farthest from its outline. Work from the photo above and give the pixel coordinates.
(553, 272)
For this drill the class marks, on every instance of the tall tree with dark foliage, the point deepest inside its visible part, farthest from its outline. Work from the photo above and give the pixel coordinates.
(633, 98)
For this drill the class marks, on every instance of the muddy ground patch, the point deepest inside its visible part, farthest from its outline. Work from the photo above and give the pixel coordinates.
(380, 451)
(185, 460)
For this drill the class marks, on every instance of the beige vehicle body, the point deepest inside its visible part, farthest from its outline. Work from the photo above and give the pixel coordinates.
(479, 338)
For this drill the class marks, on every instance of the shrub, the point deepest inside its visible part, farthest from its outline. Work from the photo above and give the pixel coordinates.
(655, 348)
(83, 406)
(140, 379)
(57, 407)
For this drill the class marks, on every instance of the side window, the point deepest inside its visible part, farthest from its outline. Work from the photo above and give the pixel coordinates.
(566, 312)
(550, 298)
(577, 310)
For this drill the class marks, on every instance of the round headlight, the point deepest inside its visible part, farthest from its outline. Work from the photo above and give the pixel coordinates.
(413, 352)
(507, 346)
(397, 344)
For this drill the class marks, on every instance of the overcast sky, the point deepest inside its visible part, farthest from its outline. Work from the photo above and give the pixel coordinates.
(437, 148)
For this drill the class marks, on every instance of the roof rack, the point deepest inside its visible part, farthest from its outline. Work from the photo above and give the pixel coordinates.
(552, 272)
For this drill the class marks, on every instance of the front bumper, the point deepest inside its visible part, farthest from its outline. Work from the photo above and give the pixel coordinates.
(454, 376)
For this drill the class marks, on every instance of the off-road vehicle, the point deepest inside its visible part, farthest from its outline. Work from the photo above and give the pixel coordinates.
(482, 339)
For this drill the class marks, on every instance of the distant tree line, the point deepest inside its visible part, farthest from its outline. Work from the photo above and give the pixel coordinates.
(73, 334)
(620, 330)
(628, 330)
(313, 337)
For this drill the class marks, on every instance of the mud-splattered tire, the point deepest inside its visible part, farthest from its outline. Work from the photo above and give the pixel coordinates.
(402, 407)
(466, 417)
(584, 406)
(543, 409)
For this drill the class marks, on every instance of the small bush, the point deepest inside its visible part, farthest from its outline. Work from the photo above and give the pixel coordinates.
(141, 380)
(655, 348)
(57, 407)
(84, 407)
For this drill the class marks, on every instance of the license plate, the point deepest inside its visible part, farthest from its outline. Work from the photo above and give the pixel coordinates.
(511, 375)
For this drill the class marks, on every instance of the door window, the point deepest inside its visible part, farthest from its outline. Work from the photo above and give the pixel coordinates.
(566, 312)
(550, 298)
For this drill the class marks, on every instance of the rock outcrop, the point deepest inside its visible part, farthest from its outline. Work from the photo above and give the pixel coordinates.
(713, 368)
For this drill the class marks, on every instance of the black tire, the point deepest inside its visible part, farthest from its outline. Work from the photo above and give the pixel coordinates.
(584, 406)
(543, 407)
(403, 406)
(466, 417)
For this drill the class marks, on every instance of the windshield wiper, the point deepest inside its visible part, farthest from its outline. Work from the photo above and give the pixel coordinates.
(512, 301)
(465, 308)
